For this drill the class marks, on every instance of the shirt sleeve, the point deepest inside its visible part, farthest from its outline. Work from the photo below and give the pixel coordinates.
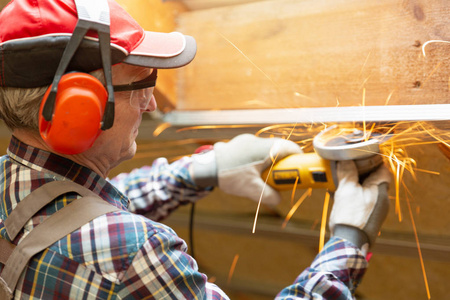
(162, 269)
(158, 189)
(334, 274)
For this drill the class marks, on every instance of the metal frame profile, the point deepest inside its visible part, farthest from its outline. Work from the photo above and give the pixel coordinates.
(388, 113)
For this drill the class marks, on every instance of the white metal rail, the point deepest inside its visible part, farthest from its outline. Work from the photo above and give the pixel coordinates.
(429, 112)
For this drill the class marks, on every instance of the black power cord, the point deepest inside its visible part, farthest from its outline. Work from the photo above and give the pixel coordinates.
(191, 229)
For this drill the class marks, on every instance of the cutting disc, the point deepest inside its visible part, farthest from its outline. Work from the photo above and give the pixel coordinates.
(339, 143)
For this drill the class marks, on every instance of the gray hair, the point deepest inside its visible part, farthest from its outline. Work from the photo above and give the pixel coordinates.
(19, 107)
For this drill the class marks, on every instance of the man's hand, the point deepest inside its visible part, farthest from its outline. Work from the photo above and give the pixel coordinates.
(359, 210)
(236, 166)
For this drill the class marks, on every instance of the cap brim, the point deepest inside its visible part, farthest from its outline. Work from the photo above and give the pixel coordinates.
(163, 50)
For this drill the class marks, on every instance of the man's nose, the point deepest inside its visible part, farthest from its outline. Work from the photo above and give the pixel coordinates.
(151, 106)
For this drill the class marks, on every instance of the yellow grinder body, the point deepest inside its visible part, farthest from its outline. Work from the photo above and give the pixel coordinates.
(318, 169)
(302, 171)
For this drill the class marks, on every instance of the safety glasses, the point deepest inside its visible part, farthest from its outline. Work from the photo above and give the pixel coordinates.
(141, 91)
(149, 81)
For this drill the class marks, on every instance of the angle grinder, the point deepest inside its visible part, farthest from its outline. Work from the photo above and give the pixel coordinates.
(318, 169)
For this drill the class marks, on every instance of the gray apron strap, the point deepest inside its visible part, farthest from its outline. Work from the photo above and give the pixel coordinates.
(54, 228)
(39, 198)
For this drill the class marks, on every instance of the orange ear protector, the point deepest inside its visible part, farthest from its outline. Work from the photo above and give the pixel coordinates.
(76, 107)
(77, 115)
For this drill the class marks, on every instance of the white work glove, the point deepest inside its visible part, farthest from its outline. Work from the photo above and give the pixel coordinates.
(236, 166)
(359, 210)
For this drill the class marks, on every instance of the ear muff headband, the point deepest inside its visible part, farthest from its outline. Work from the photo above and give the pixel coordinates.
(92, 15)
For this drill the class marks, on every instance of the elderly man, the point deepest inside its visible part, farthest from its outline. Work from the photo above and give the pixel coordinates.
(75, 79)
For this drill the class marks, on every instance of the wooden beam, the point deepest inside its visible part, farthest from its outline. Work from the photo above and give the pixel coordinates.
(317, 53)
(3, 3)
(205, 4)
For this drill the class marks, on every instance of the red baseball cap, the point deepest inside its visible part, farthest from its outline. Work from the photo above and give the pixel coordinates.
(34, 34)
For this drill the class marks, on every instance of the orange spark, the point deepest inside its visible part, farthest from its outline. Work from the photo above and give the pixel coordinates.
(427, 171)
(313, 226)
(428, 131)
(419, 143)
(367, 135)
(338, 103)
(432, 72)
(298, 94)
(300, 133)
(296, 206)
(398, 165)
(214, 127)
(324, 221)
(418, 248)
(232, 268)
(160, 129)
(389, 97)
(294, 189)
(365, 63)
(212, 279)
(265, 184)
(260, 199)
(247, 58)
(397, 193)
(364, 105)
(364, 82)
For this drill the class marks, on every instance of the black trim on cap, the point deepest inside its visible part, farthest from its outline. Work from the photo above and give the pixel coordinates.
(29, 63)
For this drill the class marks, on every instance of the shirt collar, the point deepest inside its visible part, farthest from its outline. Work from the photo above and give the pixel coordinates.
(63, 168)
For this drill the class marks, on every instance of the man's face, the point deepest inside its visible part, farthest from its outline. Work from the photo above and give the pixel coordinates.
(119, 142)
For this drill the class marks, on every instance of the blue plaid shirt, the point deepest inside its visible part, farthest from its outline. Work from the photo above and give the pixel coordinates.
(123, 255)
